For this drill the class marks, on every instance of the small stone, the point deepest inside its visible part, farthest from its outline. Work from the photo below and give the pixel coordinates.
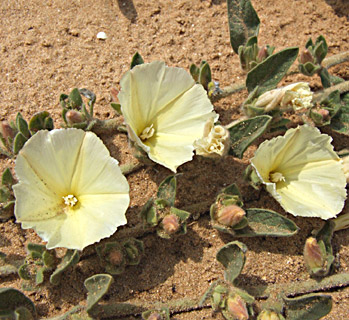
(101, 35)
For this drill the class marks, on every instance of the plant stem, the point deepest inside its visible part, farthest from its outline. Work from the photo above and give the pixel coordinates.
(327, 63)
(135, 308)
(336, 59)
(323, 94)
(131, 167)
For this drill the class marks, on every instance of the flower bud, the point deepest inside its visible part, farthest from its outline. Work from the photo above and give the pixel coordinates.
(154, 316)
(73, 117)
(230, 216)
(262, 54)
(237, 307)
(324, 113)
(306, 56)
(116, 257)
(268, 315)
(170, 223)
(114, 94)
(6, 130)
(313, 255)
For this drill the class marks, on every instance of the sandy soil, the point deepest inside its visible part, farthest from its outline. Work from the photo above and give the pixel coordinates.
(49, 47)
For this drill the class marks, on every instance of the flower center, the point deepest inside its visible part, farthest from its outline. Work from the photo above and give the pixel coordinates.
(147, 133)
(70, 200)
(276, 177)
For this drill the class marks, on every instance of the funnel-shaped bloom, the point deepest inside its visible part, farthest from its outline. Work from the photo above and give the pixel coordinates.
(302, 172)
(165, 112)
(293, 96)
(70, 191)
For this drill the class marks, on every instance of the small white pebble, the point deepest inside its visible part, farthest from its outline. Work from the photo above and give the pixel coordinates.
(101, 35)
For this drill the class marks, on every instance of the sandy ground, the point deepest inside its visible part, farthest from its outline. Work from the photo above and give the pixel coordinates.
(49, 47)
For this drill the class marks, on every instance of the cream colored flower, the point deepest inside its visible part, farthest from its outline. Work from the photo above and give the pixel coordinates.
(215, 140)
(294, 96)
(302, 172)
(346, 167)
(70, 191)
(165, 112)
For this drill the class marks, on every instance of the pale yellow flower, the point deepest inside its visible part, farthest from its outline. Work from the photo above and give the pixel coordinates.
(293, 96)
(215, 140)
(346, 167)
(165, 112)
(302, 172)
(70, 190)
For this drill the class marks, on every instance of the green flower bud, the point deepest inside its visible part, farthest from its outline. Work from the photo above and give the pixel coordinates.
(236, 306)
(230, 216)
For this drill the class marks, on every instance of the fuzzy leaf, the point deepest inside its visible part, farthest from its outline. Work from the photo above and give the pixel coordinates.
(167, 190)
(75, 98)
(22, 126)
(4, 194)
(232, 257)
(116, 107)
(194, 71)
(269, 73)
(340, 122)
(71, 258)
(245, 132)
(97, 286)
(40, 121)
(243, 22)
(325, 78)
(136, 60)
(308, 307)
(205, 75)
(18, 142)
(12, 299)
(7, 178)
(262, 222)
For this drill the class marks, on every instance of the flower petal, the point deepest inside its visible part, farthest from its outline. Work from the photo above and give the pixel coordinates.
(147, 89)
(53, 164)
(170, 150)
(96, 172)
(97, 218)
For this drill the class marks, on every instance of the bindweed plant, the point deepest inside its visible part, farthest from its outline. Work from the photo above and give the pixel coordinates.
(73, 193)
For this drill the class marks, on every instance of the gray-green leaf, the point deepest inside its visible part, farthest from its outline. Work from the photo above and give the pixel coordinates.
(243, 22)
(269, 73)
(245, 132)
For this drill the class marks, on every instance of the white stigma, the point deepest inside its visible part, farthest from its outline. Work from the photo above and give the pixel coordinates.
(147, 133)
(70, 200)
(276, 177)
